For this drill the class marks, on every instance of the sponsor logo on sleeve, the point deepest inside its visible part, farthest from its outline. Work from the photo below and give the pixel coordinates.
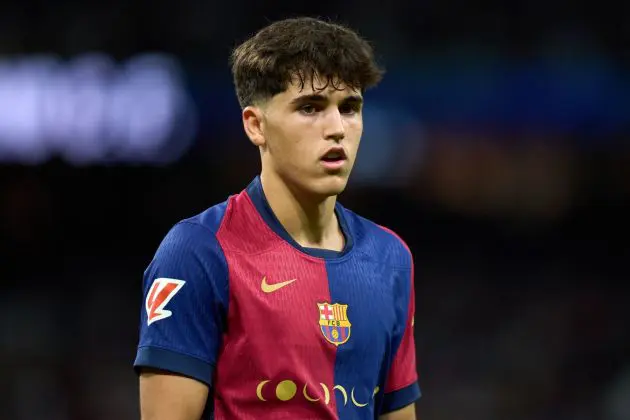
(160, 294)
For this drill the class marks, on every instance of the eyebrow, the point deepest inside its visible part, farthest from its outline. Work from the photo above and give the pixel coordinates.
(321, 98)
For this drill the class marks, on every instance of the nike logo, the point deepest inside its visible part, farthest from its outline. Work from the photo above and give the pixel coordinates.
(270, 288)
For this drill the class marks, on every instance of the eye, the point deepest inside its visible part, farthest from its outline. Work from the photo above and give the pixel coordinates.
(349, 108)
(308, 109)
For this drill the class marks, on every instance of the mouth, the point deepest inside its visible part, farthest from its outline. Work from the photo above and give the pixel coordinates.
(334, 158)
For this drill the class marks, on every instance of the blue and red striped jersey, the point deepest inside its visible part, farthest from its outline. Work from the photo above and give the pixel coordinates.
(276, 330)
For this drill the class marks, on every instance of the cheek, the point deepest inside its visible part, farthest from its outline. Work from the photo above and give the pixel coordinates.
(354, 133)
(300, 139)
(292, 145)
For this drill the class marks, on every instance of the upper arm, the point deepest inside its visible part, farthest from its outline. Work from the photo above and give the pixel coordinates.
(182, 319)
(165, 396)
(405, 413)
(401, 386)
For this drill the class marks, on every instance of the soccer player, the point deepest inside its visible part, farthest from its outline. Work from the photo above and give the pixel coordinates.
(279, 303)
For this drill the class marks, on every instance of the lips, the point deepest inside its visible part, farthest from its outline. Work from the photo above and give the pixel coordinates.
(334, 154)
(334, 160)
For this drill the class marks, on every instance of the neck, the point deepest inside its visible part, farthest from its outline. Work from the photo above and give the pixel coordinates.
(309, 220)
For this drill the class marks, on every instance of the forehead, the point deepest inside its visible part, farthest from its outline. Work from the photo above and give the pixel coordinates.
(320, 86)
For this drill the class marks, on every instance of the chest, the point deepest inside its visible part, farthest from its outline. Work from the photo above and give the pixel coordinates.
(307, 334)
(301, 304)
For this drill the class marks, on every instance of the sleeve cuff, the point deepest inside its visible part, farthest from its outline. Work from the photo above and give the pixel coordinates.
(396, 400)
(171, 361)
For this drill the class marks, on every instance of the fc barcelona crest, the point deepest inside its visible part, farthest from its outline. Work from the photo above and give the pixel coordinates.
(334, 323)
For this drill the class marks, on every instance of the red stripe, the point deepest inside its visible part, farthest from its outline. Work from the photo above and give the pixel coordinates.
(242, 236)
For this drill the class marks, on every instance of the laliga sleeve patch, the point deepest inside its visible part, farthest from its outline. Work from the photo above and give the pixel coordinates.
(161, 292)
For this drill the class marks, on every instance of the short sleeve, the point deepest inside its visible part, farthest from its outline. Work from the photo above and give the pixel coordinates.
(184, 307)
(401, 387)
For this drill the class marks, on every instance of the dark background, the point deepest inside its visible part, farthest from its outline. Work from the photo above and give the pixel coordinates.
(497, 146)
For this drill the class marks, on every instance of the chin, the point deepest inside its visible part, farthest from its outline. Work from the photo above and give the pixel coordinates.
(330, 185)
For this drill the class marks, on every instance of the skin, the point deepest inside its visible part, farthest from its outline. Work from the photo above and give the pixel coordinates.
(164, 396)
(292, 130)
(405, 413)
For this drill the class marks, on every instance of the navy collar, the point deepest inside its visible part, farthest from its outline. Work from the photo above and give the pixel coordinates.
(257, 195)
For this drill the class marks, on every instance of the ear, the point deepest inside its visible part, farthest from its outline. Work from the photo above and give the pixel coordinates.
(253, 122)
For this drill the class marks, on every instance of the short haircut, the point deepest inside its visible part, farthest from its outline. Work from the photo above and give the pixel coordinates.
(304, 48)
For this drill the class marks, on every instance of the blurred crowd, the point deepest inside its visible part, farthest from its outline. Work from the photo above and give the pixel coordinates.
(515, 209)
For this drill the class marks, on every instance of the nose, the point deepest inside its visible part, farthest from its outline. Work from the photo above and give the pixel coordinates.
(334, 126)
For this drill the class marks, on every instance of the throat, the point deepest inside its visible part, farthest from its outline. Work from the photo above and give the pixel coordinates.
(312, 224)
(322, 233)
(334, 242)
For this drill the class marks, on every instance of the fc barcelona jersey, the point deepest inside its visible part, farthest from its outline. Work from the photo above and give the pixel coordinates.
(276, 330)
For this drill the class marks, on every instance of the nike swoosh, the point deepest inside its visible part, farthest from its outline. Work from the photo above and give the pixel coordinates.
(270, 288)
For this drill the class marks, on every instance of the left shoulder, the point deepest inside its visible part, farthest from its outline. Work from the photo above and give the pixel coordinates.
(378, 241)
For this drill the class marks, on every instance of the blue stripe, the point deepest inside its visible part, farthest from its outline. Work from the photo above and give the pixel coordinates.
(376, 288)
(171, 361)
(360, 284)
(403, 397)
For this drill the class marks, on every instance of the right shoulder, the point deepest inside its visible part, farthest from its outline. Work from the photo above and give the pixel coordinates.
(192, 242)
(200, 228)
(210, 219)
(186, 296)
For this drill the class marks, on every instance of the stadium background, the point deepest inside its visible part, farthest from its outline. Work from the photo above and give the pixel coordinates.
(497, 146)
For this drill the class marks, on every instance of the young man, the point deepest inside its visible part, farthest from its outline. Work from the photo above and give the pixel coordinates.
(280, 303)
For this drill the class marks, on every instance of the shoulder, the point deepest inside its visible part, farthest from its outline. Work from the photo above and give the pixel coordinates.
(209, 220)
(204, 225)
(194, 239)
(378, 241)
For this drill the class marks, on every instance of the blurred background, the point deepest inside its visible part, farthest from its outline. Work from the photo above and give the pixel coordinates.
(498, 147)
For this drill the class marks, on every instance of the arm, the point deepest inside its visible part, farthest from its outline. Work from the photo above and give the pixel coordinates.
(182, 319)
(405, 413)
(401, 385)
(165, 396)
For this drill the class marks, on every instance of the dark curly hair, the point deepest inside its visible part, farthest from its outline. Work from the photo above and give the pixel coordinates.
(307, 48)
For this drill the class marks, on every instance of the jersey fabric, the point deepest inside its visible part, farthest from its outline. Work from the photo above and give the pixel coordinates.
(276, 330)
